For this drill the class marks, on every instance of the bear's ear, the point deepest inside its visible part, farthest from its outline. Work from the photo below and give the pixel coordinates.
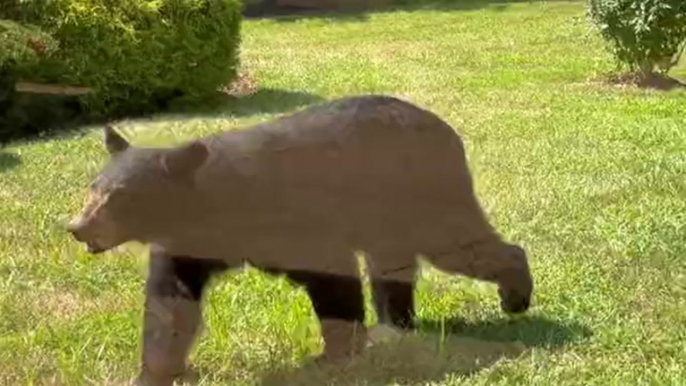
(183, 161)
(114, 142)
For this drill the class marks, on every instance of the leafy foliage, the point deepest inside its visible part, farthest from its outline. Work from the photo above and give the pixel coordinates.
(23, 43)
(134, 54)
(645, 35)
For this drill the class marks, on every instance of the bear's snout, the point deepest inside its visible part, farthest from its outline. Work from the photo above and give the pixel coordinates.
(76, 230)
(515, 303)
(80, 233)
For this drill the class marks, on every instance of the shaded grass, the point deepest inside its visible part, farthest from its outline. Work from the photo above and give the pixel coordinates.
(588, 177)
(8, 160)
(218, 105)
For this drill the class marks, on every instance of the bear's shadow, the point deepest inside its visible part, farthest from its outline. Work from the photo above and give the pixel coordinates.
(436, 350)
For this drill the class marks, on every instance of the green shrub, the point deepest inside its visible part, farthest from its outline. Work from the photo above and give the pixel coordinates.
(645, 35)
(134, 53)
(23, 44)
(20, 46)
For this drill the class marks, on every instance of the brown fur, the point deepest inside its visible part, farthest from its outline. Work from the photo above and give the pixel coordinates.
(303, 192)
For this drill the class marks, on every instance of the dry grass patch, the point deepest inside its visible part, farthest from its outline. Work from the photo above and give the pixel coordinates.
(70, 305)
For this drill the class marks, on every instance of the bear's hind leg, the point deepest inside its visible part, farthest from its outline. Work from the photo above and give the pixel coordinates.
(173, 314)
(339, 305)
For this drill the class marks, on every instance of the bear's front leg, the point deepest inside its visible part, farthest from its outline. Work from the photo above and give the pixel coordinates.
(339, 305)
(172, 314)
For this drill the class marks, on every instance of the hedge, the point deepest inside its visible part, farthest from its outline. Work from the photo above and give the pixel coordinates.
(22, 46)
(644, 35)
(132, 53)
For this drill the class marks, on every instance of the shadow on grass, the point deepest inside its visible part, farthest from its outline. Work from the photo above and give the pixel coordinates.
(8, 161)
(650, 82)
(430, 355)
(269, 10)
(32, 116)
(532, 331)
(263, 101)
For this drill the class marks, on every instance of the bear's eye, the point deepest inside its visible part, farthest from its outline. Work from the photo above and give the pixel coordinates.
(102, 183)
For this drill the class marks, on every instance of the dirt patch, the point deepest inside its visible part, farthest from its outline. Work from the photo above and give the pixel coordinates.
(245, 84)
(650, 81)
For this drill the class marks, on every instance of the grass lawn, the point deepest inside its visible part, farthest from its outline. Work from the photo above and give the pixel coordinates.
(589, 178)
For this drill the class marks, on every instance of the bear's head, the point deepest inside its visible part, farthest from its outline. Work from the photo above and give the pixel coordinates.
(137, 193)
(515, 283)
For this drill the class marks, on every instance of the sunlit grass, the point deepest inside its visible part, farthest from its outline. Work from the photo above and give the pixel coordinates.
(588, 177)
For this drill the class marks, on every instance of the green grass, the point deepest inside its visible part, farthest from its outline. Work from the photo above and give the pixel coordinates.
(589, 178)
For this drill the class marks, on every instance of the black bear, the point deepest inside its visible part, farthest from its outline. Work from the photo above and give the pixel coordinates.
(299, 196)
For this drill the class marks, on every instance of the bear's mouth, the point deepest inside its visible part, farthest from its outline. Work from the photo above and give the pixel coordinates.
(93, 248)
